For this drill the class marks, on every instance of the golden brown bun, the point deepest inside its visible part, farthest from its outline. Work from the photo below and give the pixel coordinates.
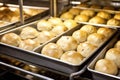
(106, 66)
(97, 20)
(107, 32)
(52, 50)
(44, 25)
(96, 39)
(67, 43)
(117, 44)
(67, 15)
(72, 57)
(28, 44)
(113, 22)
(104, 15)
(81, 18)
(86, 49)
(74, 11)
(114, 55)
(89, 13)
(117, 16)
(28, 33)
(108, 8)
(80, 36)
(95, 6)
(2, 23)
(89, 29)
(11, 39)
(15, 19)
(70, 23)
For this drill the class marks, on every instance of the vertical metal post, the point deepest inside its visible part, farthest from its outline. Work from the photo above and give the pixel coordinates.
(21, 11)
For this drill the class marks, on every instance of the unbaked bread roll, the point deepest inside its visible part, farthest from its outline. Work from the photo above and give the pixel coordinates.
(104, 15)
(52, 50)
(67, 15)
(72, 57)
(89, 29)
(81, 18)
(89, 13)
(74, 11)
(106, 66)
(43, 25)
(96, 39)
(86, 49)
(67, 43)
(28, 44)
(11, 39)
(80, 36)
(114, 55)
(107, 32)
(113, 22)
(70, 23)
(117, 44)
(28, 33)
(117, 16)
(97, 20)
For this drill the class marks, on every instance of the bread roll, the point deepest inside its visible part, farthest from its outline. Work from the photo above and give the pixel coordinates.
(95, 6)
(43, 25)
(114, 55)
(28, 33)
(81, 18)
(67, 43)
(108, 8)
(106, 66)
(72, 57)
(117, 16)
(117, 44)
(86, 49)
(70, 23)
(28, 44)
(104, 15)
(67, 15)
(80, 36)
(52, 50)
(74, 11)
(97, 20)
(96, 39)
(89, 13)
(11, 39)
(83, 5)
(113, 22)
(89, 29)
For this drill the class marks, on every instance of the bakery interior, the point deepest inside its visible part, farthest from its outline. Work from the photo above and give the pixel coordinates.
(59, 40)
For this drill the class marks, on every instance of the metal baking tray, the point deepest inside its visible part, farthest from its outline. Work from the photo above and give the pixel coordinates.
(99, 75)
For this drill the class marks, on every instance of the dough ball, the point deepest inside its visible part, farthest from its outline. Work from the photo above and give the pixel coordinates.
(28, 44)
(67, 15)
(72, 57)
(106, 66)
(28, 33)
(74, 11)
(95, 6)
(107, 32)
(89, 13)
(117, 16)
(52, 50)
(81, 18)
(97, 20)
(113, 22)
(104, 15)
(70, 23)
(11, 39)
(43, 25)
(117, 44)
(86, 49)
(80, 36)
(108, 8)
(67, 43)
(89, 29)
(114, 55)
(96, 39)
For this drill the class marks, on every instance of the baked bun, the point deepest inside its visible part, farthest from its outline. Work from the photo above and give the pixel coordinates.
(117, 44)
(107, 32)
(15, 18)
(96, 39)
(95, 6)
(67, 43)
(117, 16)
(97, 20)
(11, 39)
(72, 57)
(113, 22)
(81, 18)
(2, 23)
(104, 15)
(89, 29)
(74, 11)
(70, 23)
(106, 66)
(89, 13)
(83, 5)
(43, 25)
(28, 44)
(67, 15)
(28, 33)
(114, 55)
(86, 49)
(52, 50)
(80, 36)
(108, 8)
